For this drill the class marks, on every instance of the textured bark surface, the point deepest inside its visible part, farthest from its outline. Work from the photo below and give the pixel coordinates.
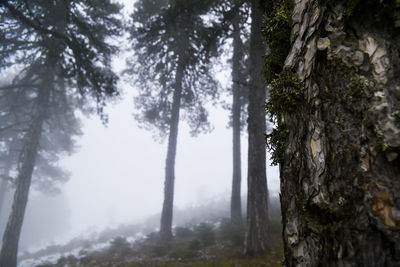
(236, 202)
(167, 211)
(340, 174)
(8, 255)
(256, 240)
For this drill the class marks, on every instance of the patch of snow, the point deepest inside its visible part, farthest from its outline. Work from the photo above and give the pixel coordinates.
(132, 239)
(99, 246)
(49, 259)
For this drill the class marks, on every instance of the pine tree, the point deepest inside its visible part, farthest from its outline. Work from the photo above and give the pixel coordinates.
(15, 109)
(239, 89)
(257, 240)
(65, 60)
(172, 45)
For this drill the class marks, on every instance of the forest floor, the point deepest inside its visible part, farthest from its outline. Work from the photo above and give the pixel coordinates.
(202, 245)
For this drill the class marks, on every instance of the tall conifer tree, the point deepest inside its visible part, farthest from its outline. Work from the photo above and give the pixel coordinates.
(61, 47)
(172, 45)
(257, 239)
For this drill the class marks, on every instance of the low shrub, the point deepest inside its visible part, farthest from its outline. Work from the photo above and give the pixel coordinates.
(183, 232)
(120, 246)
(183, 253)
(204, 232)
(195, 244)
(232, 233)
(159, 251)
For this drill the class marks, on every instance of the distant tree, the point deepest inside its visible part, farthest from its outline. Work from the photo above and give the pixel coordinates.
(232, 24)
(5, 167)
(61, 48)
(172, 45)
(3, 191)
(15, 111)
(239, 91)
(4, 180)
(256, 240)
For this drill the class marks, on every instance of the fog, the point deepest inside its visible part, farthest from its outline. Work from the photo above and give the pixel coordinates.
(117, 173)
(118, 176)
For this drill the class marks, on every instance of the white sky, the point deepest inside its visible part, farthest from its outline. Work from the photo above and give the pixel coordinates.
(118, 172)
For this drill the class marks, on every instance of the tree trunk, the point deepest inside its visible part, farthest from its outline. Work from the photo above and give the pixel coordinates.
(3, 183)
(8, 255)
(340, 170)
(257, 197)
(236, 202)
(167, 211)
(3, 190)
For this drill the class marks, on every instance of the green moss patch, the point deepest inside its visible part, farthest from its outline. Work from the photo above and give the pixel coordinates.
(356, 87)
(286, 94)
(276, 142)
(277, 35)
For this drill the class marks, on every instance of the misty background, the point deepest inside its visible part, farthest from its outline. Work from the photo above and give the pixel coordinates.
(117, 173)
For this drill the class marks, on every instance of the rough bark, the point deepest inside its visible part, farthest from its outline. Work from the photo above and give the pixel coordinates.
(8, 254)
(167, 211)
(340, 171)
(256, 240)
(236, 202)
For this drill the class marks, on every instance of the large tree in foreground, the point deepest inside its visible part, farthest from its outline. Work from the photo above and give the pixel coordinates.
(256, 240)
(337, 104)
(60, 47)
(170, 68)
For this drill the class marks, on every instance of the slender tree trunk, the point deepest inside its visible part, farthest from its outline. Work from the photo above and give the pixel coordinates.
(257, 197)
(3, 190)
(167, 211)
(3, 183)
(236, 202)
(340, 171)
(8, 255)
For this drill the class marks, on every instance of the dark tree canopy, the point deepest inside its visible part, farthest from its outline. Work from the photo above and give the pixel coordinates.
(71, 35)
(30, 30)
